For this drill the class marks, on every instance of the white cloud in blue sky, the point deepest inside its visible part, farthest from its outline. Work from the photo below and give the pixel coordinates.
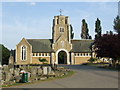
(34, 19)
(33, 3)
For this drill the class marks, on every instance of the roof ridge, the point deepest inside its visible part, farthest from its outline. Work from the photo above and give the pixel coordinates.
(82, 40)
(38, 39)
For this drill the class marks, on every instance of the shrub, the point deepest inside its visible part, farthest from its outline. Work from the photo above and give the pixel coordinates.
(91, 60)
(43, 60)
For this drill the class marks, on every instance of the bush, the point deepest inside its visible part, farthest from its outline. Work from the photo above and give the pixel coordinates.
(91, 60)
(43, 60)
(4, 55)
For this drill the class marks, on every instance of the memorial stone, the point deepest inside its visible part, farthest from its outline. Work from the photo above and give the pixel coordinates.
(45, 71)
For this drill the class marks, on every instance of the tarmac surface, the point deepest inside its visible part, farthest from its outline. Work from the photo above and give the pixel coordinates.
(85, 77)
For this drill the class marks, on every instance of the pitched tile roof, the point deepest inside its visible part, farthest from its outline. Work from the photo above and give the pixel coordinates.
(45, 45)
(40, 45)
(81, 45)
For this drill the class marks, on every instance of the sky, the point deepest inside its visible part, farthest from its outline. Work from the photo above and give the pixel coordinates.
(33, 20)
(119, 8)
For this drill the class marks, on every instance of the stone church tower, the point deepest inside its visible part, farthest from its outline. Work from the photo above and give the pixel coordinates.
(61, 36)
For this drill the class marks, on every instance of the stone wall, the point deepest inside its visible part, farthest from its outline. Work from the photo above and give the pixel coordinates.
(81, 60)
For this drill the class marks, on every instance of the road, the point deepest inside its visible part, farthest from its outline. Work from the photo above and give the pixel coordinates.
(85, 77)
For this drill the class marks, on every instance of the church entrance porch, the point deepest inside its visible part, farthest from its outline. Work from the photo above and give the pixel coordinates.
(62, 57)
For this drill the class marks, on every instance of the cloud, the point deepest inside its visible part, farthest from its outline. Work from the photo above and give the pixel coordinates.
(32, 3)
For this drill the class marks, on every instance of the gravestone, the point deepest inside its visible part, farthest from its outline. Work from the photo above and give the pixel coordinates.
(33, 72)
(28, 74)
(7, 76)
(39, 71)
(10, 66)
(16, 72)
(3, 76)
(49, 70)
(12, 70)
(45, 71)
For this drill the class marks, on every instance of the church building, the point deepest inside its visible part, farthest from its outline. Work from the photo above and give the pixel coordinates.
(61, 49)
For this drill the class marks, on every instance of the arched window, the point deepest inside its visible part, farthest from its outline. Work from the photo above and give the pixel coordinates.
(23, 52)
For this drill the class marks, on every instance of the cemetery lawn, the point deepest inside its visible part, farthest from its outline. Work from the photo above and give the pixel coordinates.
(102, 65)
(70, 73)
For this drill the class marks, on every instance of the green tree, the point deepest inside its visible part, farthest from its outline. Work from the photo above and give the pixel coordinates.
(117, 24)
(43, 60)
(72, 34)
(98, 28)
(91, 60)
(4, 54)
(111, 33)
(85, 30)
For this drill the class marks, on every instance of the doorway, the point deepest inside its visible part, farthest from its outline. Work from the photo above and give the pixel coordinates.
(62, 57)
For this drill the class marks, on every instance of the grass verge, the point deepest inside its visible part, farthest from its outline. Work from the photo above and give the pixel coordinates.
(102, 65)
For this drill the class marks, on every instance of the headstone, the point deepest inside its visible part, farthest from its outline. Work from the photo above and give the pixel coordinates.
(16, 72)
(49, 70)
(28, 74)
(45, 71)
(11, 59)
(12, 70)
(39, 71)
(33, 72)
(7, 76)
(3, 75)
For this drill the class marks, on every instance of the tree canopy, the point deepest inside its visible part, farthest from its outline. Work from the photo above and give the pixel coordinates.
(117, 24)
(108, 45)
(98, 28)
(5, 53)
(106, 48)
(85, 30)
(72, 34)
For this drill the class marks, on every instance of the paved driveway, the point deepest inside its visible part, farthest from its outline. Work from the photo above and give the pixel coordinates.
(85, 77)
